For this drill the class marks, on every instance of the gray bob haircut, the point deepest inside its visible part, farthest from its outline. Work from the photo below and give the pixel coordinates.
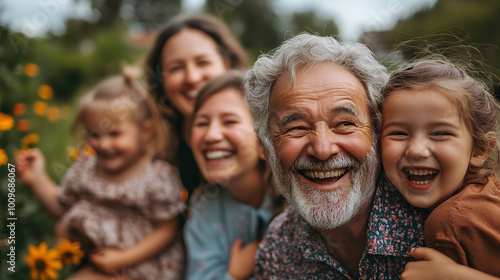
(306, 50)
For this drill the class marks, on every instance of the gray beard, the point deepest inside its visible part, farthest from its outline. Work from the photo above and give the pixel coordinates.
(328, 209)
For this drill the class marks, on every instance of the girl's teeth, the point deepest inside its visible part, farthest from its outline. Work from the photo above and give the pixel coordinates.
(421, 172)
(421, 182)
(217, 154)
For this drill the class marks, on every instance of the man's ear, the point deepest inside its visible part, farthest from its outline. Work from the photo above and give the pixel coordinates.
(262, 152)
(480, 155)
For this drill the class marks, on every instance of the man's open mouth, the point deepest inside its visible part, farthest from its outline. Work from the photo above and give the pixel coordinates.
(324, 176)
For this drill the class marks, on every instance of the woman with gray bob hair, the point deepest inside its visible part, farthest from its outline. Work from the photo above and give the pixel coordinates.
(305, 50)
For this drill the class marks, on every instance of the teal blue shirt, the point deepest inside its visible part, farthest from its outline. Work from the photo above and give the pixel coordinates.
(218, 218)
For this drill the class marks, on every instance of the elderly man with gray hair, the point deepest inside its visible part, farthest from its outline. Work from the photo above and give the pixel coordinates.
(315, 102)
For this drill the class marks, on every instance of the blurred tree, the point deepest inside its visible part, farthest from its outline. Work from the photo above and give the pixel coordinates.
(106, 14)
(254, 22)
(310, 22)
(470, 22)
(150, 14)
(137, 14)
(260, 29)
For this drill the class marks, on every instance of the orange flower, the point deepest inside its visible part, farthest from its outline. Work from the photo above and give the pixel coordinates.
(3, 157)
(70, 253)
(22, 125)
(31, 69)
(40, 108)
(43, 263)
(6, 122)
(184, 194)
(54, 114)
(73, 153)
(46, 92)
(19, 109)
(30, 139)
(88, 150)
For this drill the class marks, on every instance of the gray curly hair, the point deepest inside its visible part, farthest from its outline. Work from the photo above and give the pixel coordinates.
(305, 50)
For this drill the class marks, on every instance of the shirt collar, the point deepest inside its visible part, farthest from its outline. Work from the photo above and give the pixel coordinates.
(395, 227)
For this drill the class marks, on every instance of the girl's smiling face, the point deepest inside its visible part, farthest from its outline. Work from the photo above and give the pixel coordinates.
(224, 143)
(119, 142)
(426, 147)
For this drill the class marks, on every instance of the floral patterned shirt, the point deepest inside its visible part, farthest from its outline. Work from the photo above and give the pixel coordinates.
(292, 249)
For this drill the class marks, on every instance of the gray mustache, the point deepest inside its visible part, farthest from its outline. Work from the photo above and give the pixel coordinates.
(333, 162)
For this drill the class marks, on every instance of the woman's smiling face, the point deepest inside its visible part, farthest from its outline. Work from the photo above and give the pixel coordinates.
(224, 143)
(189, 59)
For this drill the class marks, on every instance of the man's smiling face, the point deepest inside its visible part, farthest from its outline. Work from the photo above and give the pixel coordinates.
(322, 140)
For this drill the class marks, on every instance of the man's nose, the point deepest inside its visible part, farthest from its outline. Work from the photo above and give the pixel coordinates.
(323, 143)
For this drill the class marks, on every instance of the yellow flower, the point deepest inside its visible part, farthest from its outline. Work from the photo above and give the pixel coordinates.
(30, 139)
(6, 122)
(46, 92)
(73, 153)
(3, 157)
(70, 253)
(40, 108)
(31, 69)
(43, 263)
(88, 150)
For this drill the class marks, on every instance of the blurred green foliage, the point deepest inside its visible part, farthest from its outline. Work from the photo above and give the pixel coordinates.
(69, 72)
(462, 30)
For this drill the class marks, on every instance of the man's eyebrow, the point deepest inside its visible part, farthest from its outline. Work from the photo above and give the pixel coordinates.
(290, 118)
(346, 108)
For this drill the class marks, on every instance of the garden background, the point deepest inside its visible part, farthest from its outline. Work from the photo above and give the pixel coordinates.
(42, 75)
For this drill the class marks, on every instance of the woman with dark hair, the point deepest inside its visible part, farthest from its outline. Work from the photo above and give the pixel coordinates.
(189, 51)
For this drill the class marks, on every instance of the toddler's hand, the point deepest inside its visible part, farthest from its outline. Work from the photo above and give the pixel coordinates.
(242, 259)
(30, 166)
(108, 260)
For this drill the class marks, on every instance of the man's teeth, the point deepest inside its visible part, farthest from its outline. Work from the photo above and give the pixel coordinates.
(217, 154)
(192, 94)
(421, 172)
(325, 175)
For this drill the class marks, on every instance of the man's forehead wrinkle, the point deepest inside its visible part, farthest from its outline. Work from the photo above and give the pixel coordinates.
(326, 88)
